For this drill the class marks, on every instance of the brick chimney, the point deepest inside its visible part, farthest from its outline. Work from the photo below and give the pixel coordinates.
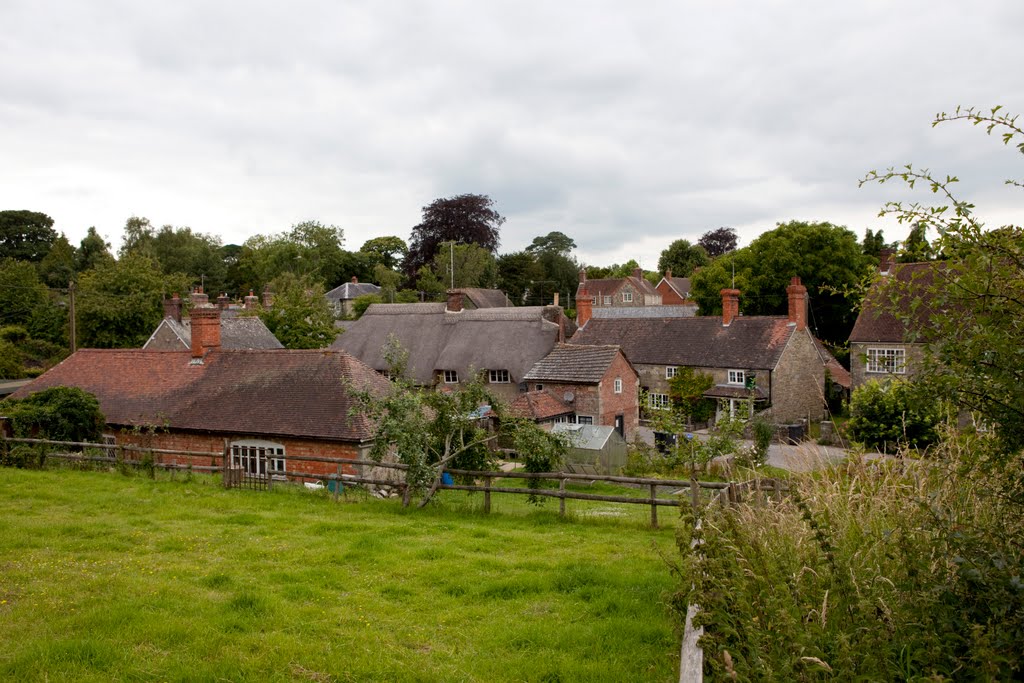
(584, 308)
(205, 330)
(172, 308)
(668, 273)
(355, 280)
(638, 273)
(223, 301)
(730, 305)
(555, 301)
(268, 297)
(454, 301)
(797, 303)
(583, 276)
(251, 301)
(199, 298)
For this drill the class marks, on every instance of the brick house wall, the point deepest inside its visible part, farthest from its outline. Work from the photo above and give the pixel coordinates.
(668, 295)
(913, 353)
(600, 401)
(215, 443)
(798, 383)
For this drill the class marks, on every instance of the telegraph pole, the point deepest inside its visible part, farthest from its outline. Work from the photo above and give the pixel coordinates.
(72, 333)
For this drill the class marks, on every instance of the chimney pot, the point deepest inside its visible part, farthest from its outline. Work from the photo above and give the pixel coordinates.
(268, 297)
(797, 294)
(583, 275)
(730, 305)
(172, 308)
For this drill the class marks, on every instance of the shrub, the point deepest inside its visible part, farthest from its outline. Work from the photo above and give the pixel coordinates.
(59, 413)
(891, 415)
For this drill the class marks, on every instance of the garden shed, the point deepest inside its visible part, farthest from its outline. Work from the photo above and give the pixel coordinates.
(598, 445)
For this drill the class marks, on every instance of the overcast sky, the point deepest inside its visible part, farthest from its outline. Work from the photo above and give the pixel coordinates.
(624, 127)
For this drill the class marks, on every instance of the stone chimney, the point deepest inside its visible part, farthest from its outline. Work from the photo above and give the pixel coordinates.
(584, 308)
(797, 303)
(355, 280)
(583, 276)
(251, 301)
(199, 298)
(172, 308)
(205, 330)
(268, 297)
(223, 302)
(555, 301)
(730, 305)
(454, 301)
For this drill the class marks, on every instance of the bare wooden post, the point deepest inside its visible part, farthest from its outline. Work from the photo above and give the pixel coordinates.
(695, 496)
(406, 495)
(561, 499)
(487, 494)
(337, 485)
(225, 468)
(654, 506)
(778, 490)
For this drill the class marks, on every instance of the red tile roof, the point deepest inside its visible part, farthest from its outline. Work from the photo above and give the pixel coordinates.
(897, 305)
(301, 393)
(538, 405)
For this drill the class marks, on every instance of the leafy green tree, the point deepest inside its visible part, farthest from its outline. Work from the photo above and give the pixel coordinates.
(827, 258)
(553, 242)
(58, 413)
(682, 258)
(893, 415)
(301, 317)
(25, 235)
(517, 271)
(387, 251)
(93, 252)
(718, 242)
(916, 248)
(21, 292)
(474, 266)
(974, 335)
(873, 243)
(179, 250)
(120, 302)
(57, 268)
(310, 249)
(11, 366)
(464, 219)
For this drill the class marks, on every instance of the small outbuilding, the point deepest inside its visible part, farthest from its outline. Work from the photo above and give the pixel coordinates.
(600, 446)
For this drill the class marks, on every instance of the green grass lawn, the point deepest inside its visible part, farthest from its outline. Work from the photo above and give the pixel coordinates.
(107, 577)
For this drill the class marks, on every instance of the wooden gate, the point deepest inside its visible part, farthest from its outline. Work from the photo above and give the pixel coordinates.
(247, 468)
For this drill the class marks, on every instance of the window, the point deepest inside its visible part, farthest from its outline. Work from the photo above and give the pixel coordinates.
(451, 376)
(254, 457)
(887, 360)
(627, 297)
(538, 387)
(607, 301)
(658, 401)
(618, 385)
(565, 419)
(737, 377)
(670, 371)
(584, 420)
(499, 376)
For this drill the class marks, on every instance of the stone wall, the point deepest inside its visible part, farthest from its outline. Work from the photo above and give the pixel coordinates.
(798, 382)
(914, 354)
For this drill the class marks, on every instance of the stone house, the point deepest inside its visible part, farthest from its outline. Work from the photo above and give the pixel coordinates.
(343, 297)
(594, 385)
(888, 338)
(174, 333)
(261, 407)
(630, 291)
(774, 361)
(449, 344)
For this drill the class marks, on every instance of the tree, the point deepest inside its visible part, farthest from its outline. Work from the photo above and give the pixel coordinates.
(916, 248)
(554, 242)
(93, 251)
(893, 415)
(974, 335)
(682, 258)
(25, 235)
(874, 243)
(464, 219)
(474, 267)
(301, 317)
(58, 413)
(309, 249)
(517, 272)
(120, 302)
(387, 251)
(827, 258)
(21, 292)
(719, 241)
(57, 268)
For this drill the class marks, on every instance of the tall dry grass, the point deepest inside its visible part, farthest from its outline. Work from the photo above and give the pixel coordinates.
(879, 570)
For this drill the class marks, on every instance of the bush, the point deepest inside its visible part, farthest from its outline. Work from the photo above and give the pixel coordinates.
(58, 413)
(893, 415)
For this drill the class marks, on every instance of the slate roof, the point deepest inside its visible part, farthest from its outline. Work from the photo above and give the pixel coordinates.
(538, 405)
(896, 292)
(351, 290)
(512, 338)
(680, 285)
(296, 393)
(839, 374)
(485, 298)
(573, 364)
(236, 333)
(749, 342)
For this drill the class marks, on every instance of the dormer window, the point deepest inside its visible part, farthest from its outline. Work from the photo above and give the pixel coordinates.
(498, 377)
(737, 377)
(451, 376)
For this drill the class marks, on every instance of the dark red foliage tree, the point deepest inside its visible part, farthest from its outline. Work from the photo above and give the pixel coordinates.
(719, 241)
(465, 219)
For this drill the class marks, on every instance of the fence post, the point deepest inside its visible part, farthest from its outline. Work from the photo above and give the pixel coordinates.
(337, 484)
(695, 496)
(778, 490)
(654, 506)
(487, 494)
(561, 497)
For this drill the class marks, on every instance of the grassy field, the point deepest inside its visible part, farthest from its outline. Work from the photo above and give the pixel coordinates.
(107, 577)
